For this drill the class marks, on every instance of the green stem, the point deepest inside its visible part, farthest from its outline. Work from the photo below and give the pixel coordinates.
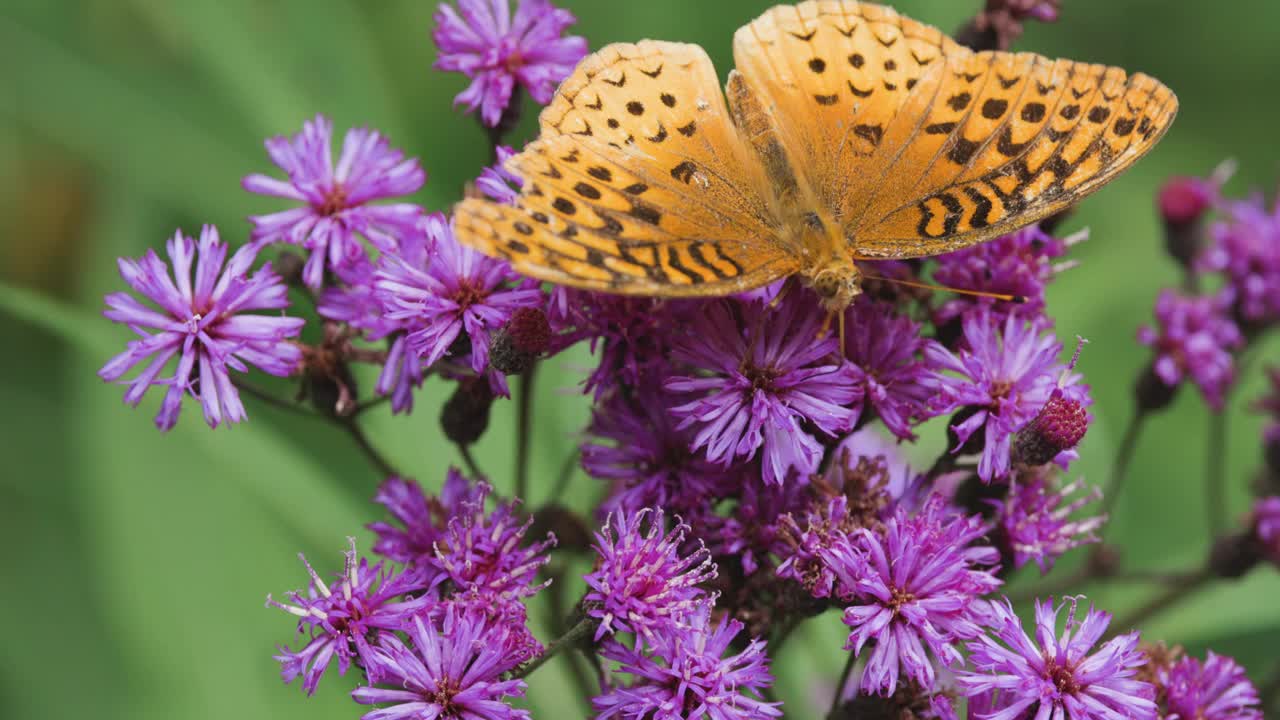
(1216, 472)
(1166, 599)
(567, 641)
(348, 424)
(524, 429)
(362, 441)
(470, 461)
(1124, 455)
(566, 474)
(842, 685)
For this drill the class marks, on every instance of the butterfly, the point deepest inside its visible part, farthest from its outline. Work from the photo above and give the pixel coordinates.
(846, 133)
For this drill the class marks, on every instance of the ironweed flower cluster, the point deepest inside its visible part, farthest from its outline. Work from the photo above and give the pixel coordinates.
(750, 469)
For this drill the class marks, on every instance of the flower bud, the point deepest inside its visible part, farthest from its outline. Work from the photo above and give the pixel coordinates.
(1183, 202)
(1059, 426)
(517, 345)
(288, 265)
(1152, 393)
(465, 415)
(1234, 555)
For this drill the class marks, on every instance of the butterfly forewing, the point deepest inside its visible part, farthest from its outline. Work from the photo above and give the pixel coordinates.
(639, 184)
(1038, 136)
(838, 75)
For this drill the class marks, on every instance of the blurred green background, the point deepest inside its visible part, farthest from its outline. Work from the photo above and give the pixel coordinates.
(136, 563)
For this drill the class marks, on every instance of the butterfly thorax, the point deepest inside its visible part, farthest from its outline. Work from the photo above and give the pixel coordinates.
(826, 265)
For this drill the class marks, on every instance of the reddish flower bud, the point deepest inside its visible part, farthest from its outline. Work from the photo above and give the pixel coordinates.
(517, 345)
(1184, 200)
(1059, 426)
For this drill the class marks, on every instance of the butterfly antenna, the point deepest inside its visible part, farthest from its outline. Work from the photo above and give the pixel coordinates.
(1018, 299)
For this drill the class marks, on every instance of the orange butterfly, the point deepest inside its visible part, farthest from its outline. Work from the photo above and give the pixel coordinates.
(848, 133)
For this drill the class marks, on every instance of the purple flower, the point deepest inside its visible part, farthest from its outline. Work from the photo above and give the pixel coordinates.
(451, 668)
(1021, 263)
(487, 551)
(497, 51)
(1266, 513)
(685, 676)
(1194, 340)
(451, 290)
(766, 375)
(343, 619)
(915, 588)
(634, 444)
(337, 198)
(424, 518)
(497, 182)
(1034, 519)
(1013, 674)
(1002, 379)
(202, 324)
(885, 347)
(1246, 249)
(642, 584)
(1216, 690)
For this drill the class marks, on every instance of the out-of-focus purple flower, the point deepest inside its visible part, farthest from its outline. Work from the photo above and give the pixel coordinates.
(999, 23)
(766, 376)
(497, 51)
(456, 290)
(497, 182)
(903, 485)
(202, 323)
(354, 301)
(343, 619)
(1193, 340)
(749, 535)
(1035, 523)
(915, 586)
(632, 334)
(1246, 249)
(642, 583)
(424, 517)
(849, 497)
(1001, 380)
(686, 675)
(634, 444)
(1012, 673)
(1266, 514)
(338, 209)
(885, 348)
(1020, 263)
(1215, 690)
(451, 668)
(487, 550)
